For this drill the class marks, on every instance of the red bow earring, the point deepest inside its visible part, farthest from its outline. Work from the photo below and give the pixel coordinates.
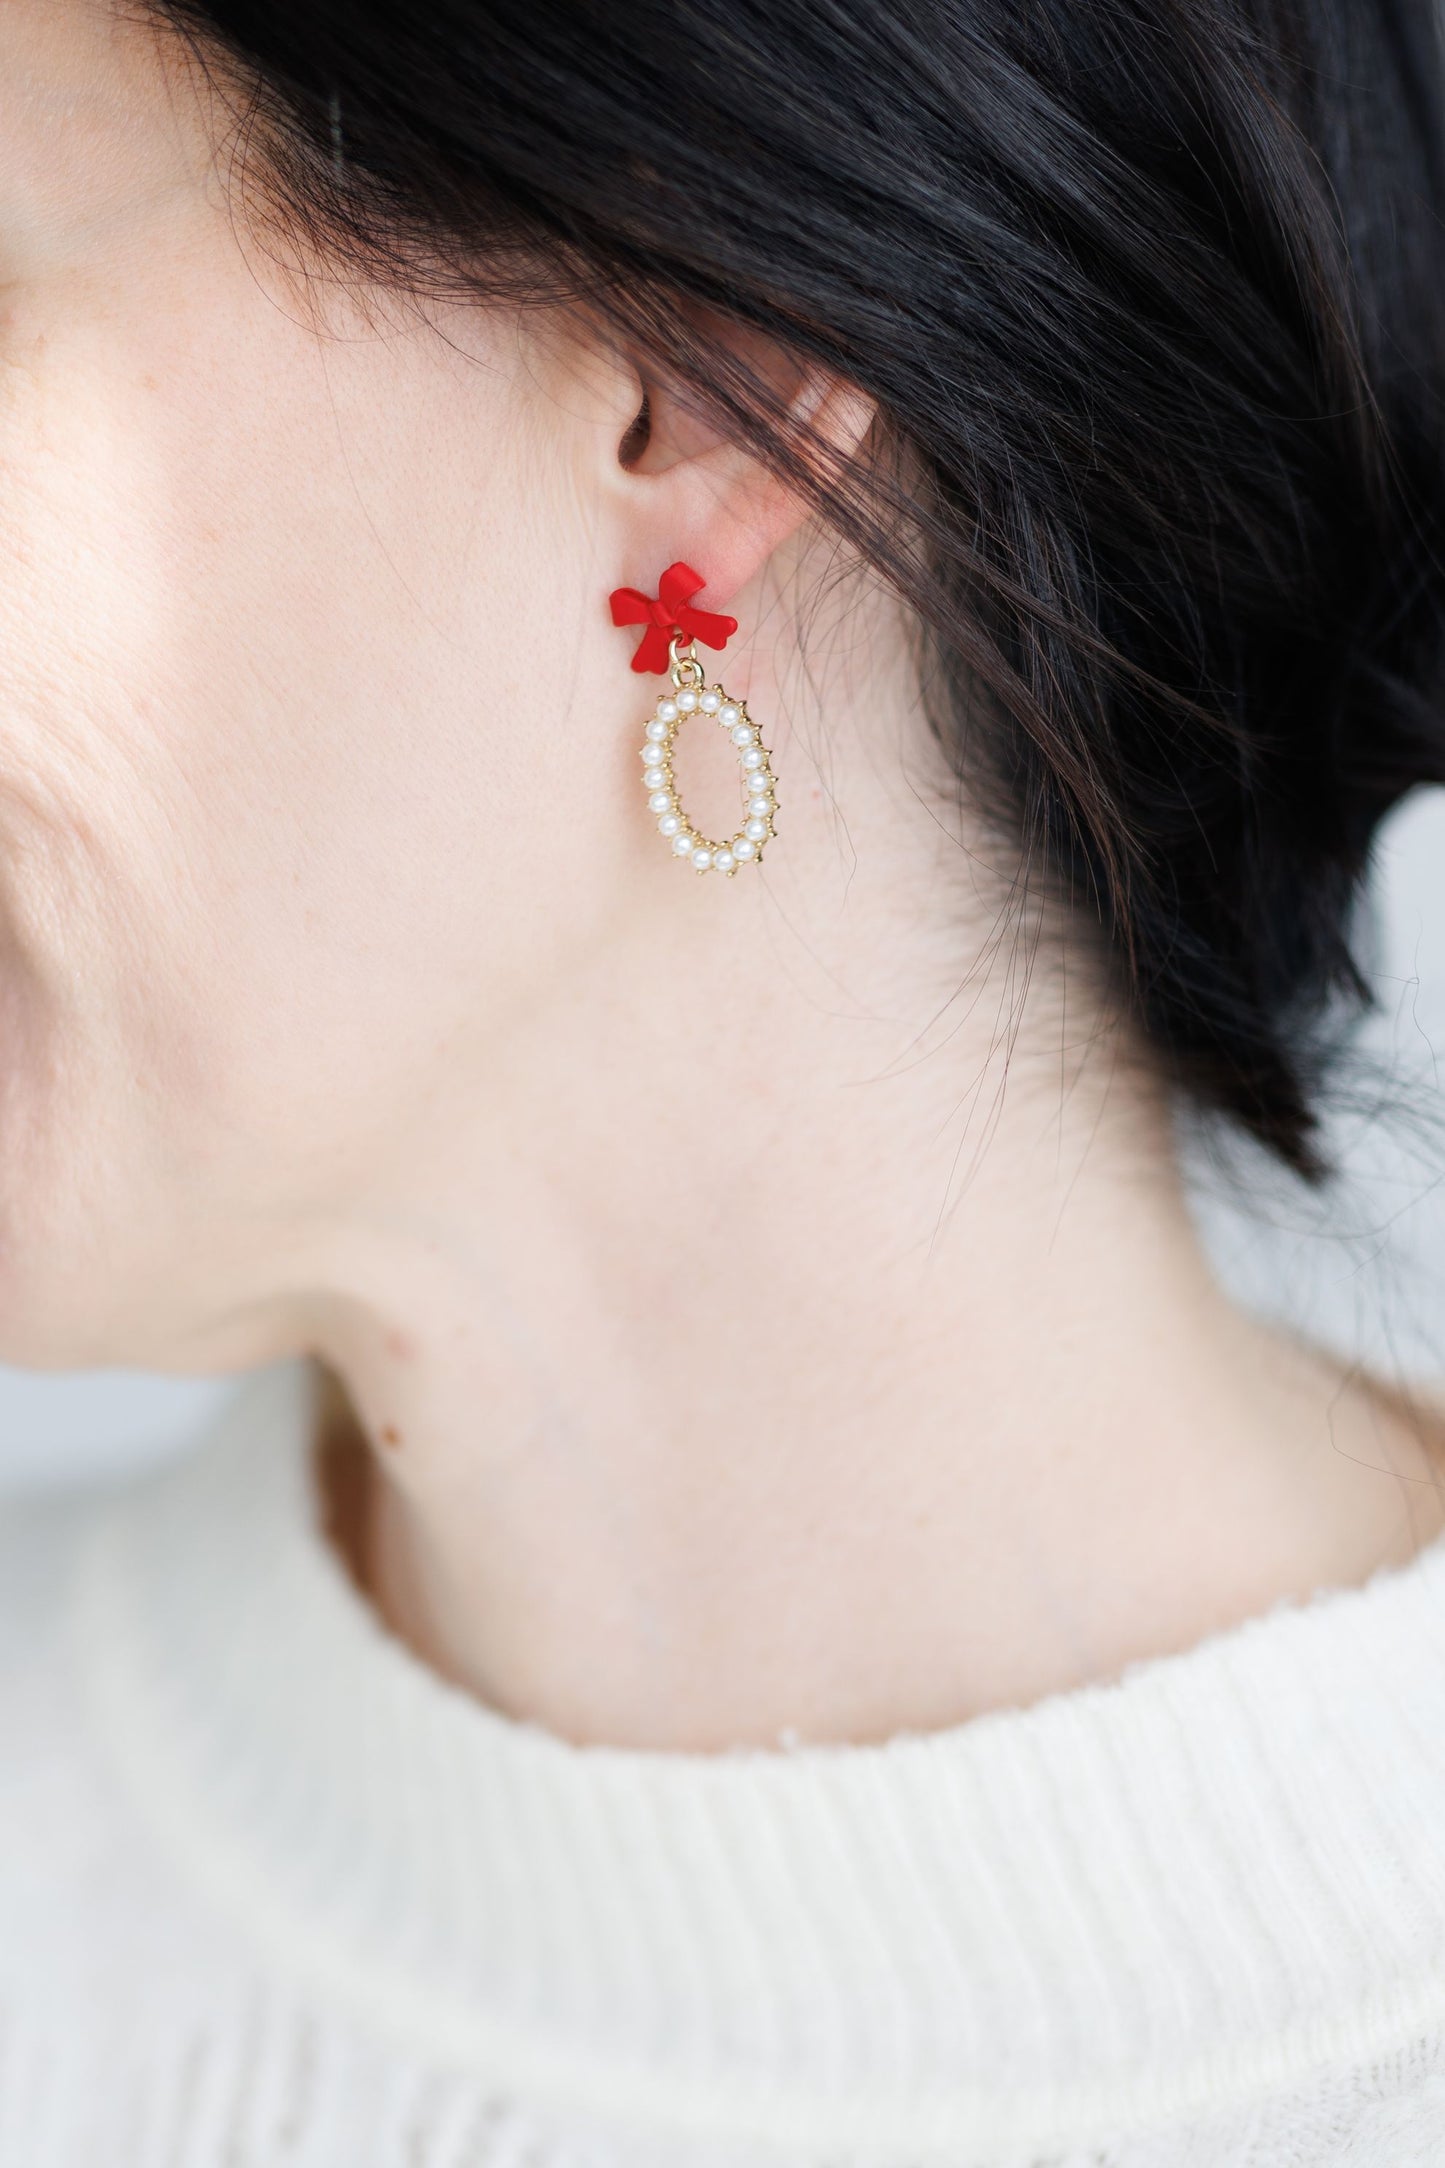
(669, 615)
(669, 643)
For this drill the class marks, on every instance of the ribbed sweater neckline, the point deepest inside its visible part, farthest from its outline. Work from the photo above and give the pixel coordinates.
(1194, 1885)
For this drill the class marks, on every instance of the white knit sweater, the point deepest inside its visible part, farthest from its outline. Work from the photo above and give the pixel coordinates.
(270, 1892)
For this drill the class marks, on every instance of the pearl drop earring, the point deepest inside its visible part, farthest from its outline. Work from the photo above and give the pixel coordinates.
(674, 627)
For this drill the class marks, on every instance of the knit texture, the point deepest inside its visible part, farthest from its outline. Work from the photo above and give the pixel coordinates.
(272, 1892)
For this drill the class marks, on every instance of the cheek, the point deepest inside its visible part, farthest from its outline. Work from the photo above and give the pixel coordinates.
(314, 760)
(98, 846)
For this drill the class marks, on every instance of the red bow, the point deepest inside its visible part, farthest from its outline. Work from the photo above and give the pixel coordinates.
(669, 616)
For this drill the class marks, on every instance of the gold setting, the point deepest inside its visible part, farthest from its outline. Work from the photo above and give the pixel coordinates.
(690, 697)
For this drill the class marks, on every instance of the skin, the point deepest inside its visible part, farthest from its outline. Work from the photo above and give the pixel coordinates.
(735, 1354)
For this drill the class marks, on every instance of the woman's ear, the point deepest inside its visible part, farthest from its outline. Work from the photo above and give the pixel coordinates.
(689, 491)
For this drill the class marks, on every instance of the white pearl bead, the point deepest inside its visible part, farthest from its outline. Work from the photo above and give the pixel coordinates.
(724, 861)
(686, 701)
(729, 714)
(656, 779)
(760, 805)
(709, 702)
(745, 848)
(702, 858)
(666, 710)
(668, 825)
(745, 735)
(752, 756)
(757, 829)
(661, 801)
(682, 844)
(657, 728)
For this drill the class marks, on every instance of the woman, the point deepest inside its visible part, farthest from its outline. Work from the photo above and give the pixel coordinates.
(783, 1618)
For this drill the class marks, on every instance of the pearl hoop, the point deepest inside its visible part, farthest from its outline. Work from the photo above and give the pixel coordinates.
(690, 697)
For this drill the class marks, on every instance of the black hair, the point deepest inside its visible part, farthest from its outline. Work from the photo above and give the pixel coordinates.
(1151, 298)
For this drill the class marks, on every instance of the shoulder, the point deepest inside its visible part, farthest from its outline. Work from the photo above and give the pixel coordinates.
(73, 1857)
(97, 1934)
(58, 1833)
(40, 1542)
(49, 1790)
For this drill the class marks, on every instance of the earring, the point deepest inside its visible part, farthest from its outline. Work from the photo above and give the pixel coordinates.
(670, 644)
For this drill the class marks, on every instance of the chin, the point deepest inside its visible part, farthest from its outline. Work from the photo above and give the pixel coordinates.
(79, 1287)
(98, 1300)
(57, 1304)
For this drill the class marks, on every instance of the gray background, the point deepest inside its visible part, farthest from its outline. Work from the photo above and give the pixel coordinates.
(1362, 1268)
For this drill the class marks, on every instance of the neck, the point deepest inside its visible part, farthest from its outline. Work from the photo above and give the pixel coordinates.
(742, 1359)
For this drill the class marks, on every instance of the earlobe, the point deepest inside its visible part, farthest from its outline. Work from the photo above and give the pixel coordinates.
(692, 494)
